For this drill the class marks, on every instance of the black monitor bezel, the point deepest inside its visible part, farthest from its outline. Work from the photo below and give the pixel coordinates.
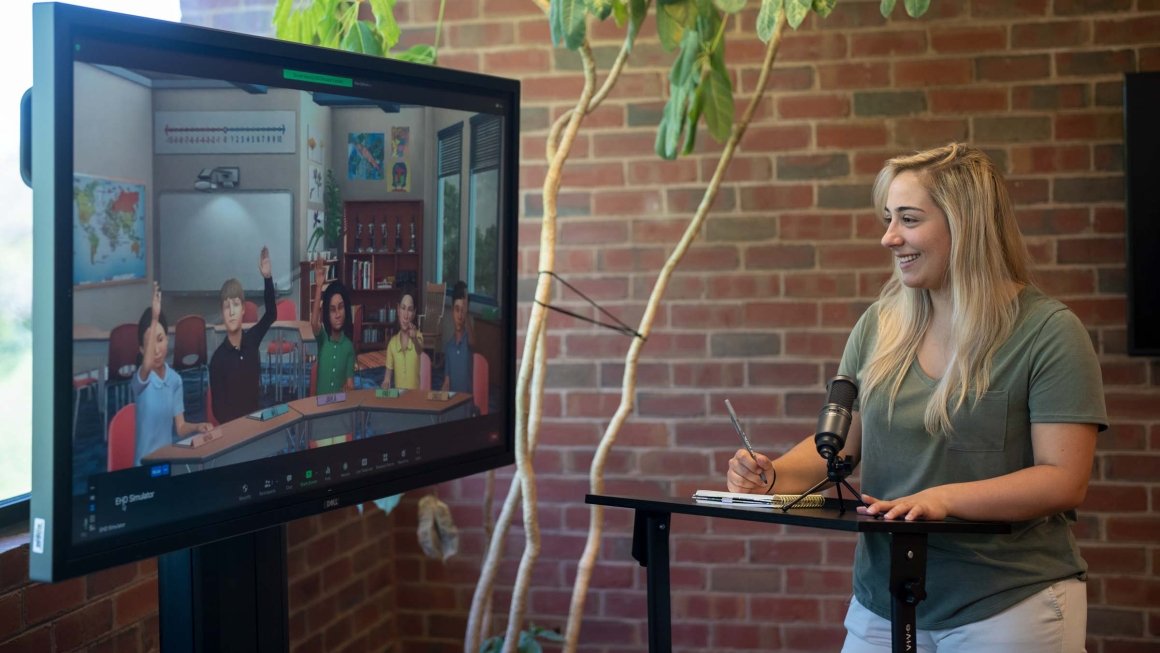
(1141, 208)
(54, 554)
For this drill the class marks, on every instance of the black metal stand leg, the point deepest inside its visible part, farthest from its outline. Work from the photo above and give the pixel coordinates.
(857, 496)
(650, 547)
(907, 588)
(836, 472)
(228, 596)
(819, 485)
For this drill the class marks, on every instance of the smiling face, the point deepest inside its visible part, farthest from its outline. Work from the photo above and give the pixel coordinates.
(336, 313)
(917, 234)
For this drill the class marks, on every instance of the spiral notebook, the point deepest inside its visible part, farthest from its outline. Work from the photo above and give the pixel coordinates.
(763, 500)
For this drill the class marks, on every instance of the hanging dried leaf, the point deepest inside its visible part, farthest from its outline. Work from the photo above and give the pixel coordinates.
(438, 535)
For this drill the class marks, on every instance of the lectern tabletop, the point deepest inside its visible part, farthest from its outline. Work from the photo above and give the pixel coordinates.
(827, 517)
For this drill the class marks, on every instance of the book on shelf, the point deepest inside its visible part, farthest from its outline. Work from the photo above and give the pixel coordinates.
(761, 500)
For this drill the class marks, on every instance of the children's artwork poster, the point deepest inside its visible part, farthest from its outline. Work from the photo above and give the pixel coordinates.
(400, 142)
(314, 144)
(108, 230)
(400, 177)
(316, 184)
(364, 156)
(217, 132)
(315, 221)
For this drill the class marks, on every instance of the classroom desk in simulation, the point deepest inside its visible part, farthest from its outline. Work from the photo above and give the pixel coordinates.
(361, 414)
(650, 547)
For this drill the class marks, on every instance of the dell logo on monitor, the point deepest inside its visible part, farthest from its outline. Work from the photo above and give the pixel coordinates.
(330, 503)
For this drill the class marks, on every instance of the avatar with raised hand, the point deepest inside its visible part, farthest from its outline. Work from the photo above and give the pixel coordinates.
(157, 389)
(330, 319)
(235, 370)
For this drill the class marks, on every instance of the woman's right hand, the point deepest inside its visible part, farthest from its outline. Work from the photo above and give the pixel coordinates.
(744, 473)
(319, 270)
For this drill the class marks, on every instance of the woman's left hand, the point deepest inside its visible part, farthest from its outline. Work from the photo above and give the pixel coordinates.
(925, 505)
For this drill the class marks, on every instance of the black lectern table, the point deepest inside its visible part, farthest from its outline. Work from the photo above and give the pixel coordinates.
(650, 547)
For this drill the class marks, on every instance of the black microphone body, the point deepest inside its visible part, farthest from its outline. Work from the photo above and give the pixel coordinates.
(835, 417)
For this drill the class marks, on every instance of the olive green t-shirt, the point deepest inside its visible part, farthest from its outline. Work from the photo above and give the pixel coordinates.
(1046, 372)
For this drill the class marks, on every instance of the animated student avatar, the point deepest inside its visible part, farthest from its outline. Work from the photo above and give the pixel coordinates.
(459, 344)
(235, 369)
(404, 348)
(336, 353)
(157, 388)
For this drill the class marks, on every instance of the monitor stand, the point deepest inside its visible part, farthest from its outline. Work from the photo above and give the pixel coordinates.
(226, 596)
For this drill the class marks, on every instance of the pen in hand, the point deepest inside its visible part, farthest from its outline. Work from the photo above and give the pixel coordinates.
(744, 439)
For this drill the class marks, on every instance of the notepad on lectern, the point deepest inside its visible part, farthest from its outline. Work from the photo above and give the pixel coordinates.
(764, 500)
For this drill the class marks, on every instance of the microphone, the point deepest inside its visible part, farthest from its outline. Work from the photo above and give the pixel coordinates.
(834, 418)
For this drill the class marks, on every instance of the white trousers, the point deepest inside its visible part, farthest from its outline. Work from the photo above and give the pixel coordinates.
(1051, 621)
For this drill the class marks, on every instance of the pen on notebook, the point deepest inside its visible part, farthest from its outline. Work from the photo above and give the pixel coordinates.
(744, 438)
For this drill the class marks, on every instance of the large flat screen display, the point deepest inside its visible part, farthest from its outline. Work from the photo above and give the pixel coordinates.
(270, 280)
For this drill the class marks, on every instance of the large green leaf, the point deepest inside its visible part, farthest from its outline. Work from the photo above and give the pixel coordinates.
(708, 22)
(384, 11)
(363, 39)
(916, 8)
(796, 11)
(685, 70)
(705, 9)
(767, 19)
(673, 16)
(281, 17)
(730, 6)
(692, 118)
(600, 8)
(672, 120)
(718, 99)
(684, 77)
(320, 24)
(555, 26)
(637, 9)
(620, 13)
(566, 19)
(546, 634)
(528, 643)
(887, 7)
(422, 53)
(824, 7)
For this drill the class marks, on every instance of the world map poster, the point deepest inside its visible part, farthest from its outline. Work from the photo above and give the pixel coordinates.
(108, 230)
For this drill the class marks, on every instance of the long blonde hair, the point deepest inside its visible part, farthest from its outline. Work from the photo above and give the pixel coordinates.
(988, 264)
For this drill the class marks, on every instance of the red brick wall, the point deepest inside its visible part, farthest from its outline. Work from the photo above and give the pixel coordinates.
(112, 610)
(761, 307)
(341, 573)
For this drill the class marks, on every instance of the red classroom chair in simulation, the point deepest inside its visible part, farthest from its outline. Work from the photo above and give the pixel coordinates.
(123, 438)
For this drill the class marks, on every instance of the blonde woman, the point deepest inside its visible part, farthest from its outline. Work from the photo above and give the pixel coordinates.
(980, 399)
